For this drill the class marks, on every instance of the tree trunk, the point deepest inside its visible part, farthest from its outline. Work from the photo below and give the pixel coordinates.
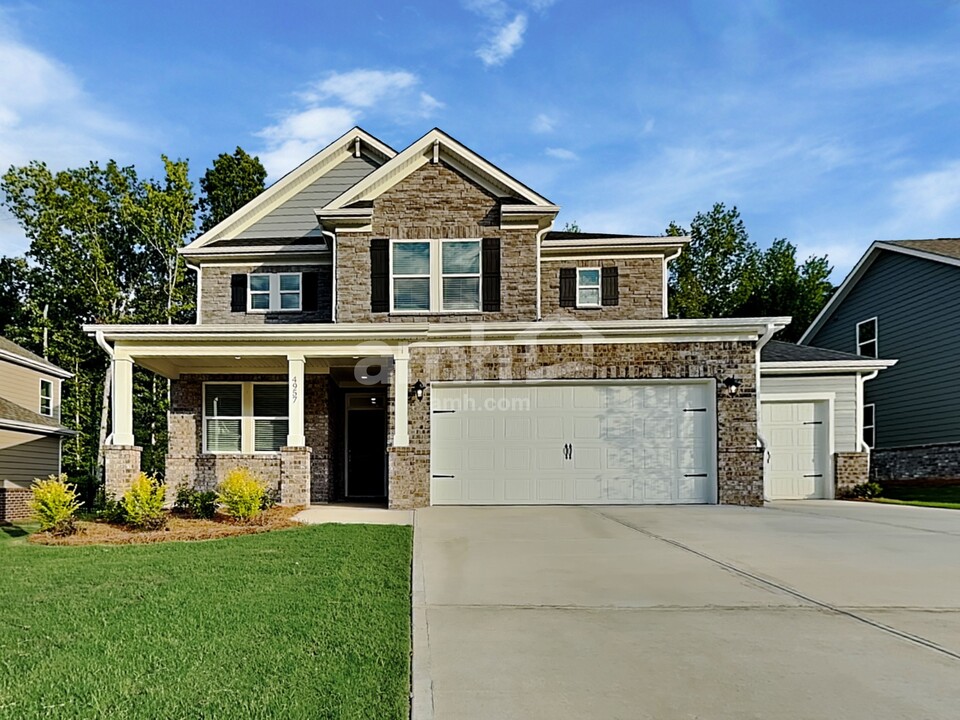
(104, 415)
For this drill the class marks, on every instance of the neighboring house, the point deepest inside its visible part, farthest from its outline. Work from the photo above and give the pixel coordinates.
(30, 429)
(404, 327)
(902, 300)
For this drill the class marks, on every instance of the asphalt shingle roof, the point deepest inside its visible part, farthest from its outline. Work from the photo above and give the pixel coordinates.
(779, 351)
(9, 410)
(14, 349)
(586, 236)
(948, 247)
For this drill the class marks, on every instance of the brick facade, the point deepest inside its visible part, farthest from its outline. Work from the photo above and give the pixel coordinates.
(739, 463)
(934, 462)
(640, 285)
(14, 503)
(215, 296)
(850, 468)
(121, 466)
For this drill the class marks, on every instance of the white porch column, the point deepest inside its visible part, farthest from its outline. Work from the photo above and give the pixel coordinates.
(296, 388)
(401, 381)
(122, 401)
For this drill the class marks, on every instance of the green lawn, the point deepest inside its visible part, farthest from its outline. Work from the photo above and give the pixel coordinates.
(305, 623)
(926, 495)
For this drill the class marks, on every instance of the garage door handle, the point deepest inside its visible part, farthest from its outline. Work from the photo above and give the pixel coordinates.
(444, 476)
(818, 475)
(567, 451)
(814, 422)
(696, 475)
(694, 409)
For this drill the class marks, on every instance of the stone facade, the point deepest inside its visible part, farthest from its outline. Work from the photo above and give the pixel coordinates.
(739, 464)
(300, 475)
(640, 283)
(215, 296)
(437, 201)
(14, 503)
(850, 468)
(121, 466)
(934, 462)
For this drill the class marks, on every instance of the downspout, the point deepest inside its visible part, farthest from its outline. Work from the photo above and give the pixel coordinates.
(333, 270)
(761, 440)
(105, 346)
(540, 234)
(861, 379)
(196, 269)
(666, 279)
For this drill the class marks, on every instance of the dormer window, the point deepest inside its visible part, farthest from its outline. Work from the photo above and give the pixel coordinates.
(274, 292)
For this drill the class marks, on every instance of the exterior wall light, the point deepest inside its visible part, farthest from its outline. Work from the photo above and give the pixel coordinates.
(732, 385)
(417, 390)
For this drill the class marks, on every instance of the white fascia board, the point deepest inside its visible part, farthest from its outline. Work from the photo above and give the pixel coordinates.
(34, 365)
(34, 428)
(914, 252)
(419, 153)
(821, 367)
(289, 185)
(281, 250)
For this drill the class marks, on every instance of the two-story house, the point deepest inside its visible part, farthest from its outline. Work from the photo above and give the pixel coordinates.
(405, 327)
(30, 431)
(902, 300)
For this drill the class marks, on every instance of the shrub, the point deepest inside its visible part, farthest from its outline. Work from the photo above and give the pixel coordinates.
(865, 491)
(241, 493)
(196, 503)
(271, 498)
(54, 504)
(143, 503)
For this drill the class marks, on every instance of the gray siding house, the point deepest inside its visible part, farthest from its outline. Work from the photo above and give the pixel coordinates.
(902, 300)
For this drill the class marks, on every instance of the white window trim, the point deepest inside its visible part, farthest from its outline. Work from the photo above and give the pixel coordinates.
(247, 418)
(873, 426)
(876, 336)
(436, 277)
(50, 385)
(598, 287)
(274, 292)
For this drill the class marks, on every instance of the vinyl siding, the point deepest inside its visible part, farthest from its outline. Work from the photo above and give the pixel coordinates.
(25, 456)
(296, 217)
(22, 386)
(845, 434)
(917, 306)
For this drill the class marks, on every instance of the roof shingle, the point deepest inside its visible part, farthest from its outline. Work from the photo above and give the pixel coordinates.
(948, 247)
(779, 351)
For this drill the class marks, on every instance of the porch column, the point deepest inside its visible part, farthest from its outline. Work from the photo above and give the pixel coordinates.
(296, 387)
(122, 401)
(401, 381)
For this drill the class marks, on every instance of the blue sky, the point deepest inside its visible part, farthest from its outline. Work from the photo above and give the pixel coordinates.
(831, 124)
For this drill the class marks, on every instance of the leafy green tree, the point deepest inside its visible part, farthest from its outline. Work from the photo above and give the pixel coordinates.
(232, 182)
(571, 227)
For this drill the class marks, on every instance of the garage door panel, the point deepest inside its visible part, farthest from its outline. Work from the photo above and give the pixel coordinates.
(549, 428)
(517, 458)
(550, 458)
(586, 396)
(587, 458)
(587, 428)
(550, 489)
(549, 397)
(619, 458)
(516, 489)
(517, 428)
(659, 426)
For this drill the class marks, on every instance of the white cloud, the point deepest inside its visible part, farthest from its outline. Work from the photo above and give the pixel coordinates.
(541, 5)
(562, 154)
(543, 123)
(360, 88)
(300, 134)
(931, 196)
(505, 42)
(493, 9)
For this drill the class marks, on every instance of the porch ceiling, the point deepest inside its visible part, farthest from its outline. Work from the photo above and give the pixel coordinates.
(174, 366)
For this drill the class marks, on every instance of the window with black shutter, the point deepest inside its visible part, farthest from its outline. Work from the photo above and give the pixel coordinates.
(311, 296)
(609, 286)
(238, 292)
(379, 275)
(568, 287)
(491, 275)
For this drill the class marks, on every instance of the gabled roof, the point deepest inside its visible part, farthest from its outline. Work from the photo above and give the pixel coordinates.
(17, 417)
(943, 250)
(292, 183)
(12, 352)
(437, 145)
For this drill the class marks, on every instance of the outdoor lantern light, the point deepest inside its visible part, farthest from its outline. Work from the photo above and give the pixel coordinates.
(417, 390)
(732, 385)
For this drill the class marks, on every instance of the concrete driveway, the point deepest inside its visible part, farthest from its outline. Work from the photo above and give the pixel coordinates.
(796, 610)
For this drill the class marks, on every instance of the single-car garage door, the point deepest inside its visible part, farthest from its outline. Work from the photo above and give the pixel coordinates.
(797, 437)
(573, 443)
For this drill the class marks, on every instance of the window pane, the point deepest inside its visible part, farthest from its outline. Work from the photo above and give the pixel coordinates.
(588, 296)
(270, 400)
(260, 283)
(461, 293)
(46, 407)
(411, 258)
(411, 294)
(223, 436)
(223, 401)
(260, 302)
(589, 277)
(289, 301)
(461, 257)
(867, 331)
(269, 435)
(46, 389)
(289, 282)
(868, 415)
(869, 349)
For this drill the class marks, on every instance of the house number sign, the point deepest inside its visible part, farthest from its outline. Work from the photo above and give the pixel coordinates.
(293, 390)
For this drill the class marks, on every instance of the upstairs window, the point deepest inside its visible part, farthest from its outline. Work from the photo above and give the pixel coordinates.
(435, 275)
(588, 287)
(410, 265)
(46, 398)
(867, 338)
(461, 274)
(274, 292)
(870, 425)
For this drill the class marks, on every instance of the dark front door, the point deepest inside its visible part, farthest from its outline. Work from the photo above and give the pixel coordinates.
(366, 447)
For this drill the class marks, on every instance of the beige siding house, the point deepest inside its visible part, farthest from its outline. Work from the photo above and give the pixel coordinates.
(30, 429)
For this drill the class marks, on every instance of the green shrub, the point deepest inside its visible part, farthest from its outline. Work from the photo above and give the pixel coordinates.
(54, 504)
(196, 503)
(241, 494)
(143, 503)
(271, 498)
(864, 491)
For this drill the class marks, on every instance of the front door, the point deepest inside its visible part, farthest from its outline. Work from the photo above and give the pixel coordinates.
(366, 446)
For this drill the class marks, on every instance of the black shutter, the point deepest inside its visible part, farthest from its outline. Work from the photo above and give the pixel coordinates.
(609, 286)
(568, 287)
(238, 292)
(491, 274)
(311, 296)
(379, 275)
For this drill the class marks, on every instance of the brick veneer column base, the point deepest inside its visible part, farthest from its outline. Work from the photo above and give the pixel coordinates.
(14, 503)
(850, 468)
(295, 476)
(121, 464)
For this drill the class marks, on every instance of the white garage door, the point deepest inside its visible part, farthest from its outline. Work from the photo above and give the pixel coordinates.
(796, 459)
(524, 444)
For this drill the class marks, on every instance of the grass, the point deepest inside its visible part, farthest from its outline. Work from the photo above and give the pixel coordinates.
(304, 623)
(17, 532)
(923, 494)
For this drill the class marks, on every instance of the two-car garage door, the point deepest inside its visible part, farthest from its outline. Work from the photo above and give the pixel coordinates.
(573, 443)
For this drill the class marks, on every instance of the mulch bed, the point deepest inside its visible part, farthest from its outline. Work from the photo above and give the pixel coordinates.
(178, 528)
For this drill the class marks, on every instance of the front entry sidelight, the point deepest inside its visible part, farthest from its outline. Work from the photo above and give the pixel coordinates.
(366, 447)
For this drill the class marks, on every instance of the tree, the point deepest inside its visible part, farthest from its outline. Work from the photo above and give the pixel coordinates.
(232, 182)
(571, 227)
